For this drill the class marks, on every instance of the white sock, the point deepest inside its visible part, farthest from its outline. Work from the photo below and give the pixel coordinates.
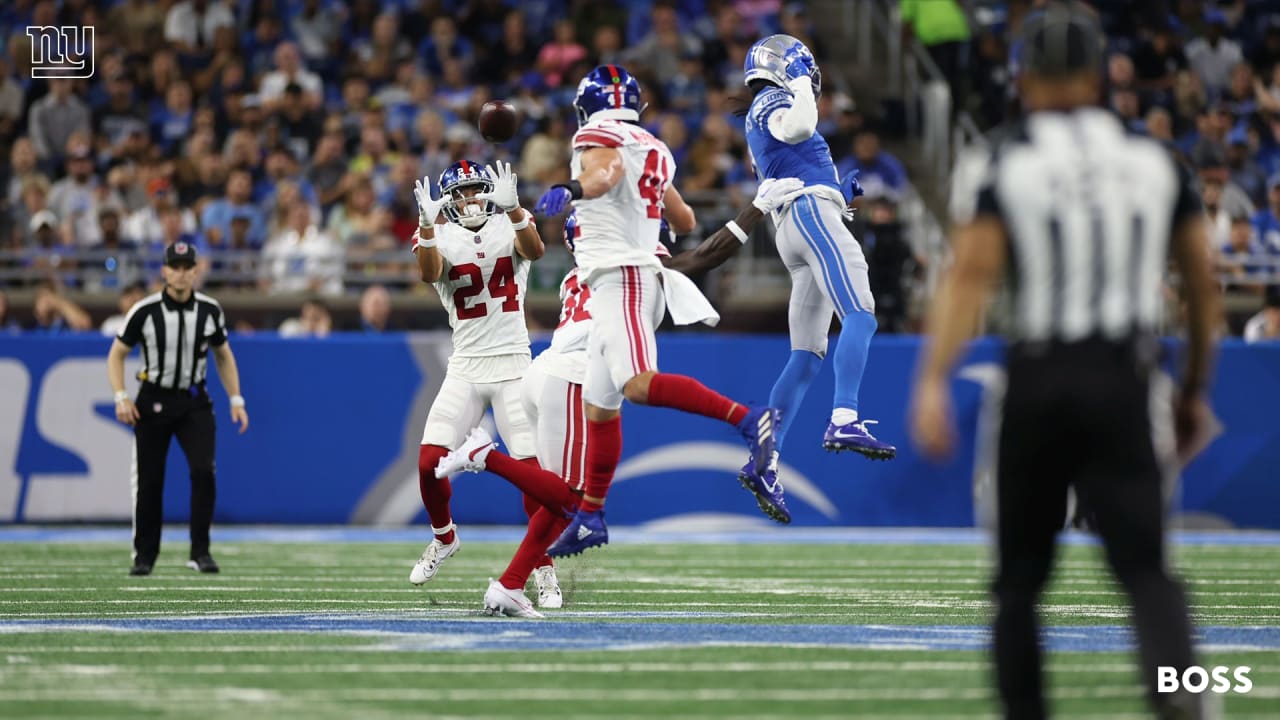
(843, 416)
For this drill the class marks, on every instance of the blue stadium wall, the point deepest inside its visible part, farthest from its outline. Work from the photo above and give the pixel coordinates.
(336, 425)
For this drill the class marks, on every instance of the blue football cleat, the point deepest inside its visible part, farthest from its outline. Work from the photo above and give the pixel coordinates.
(757, 429)
(855, 436)
(767, 489)
(586, 530)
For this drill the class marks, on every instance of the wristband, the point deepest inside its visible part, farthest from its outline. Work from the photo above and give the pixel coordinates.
(237, 401)
(738, 232)
(121, 397)
(524, 223)
(425, 243)
(574, 187)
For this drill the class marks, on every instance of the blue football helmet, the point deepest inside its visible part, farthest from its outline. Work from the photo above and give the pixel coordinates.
(465, 174)
(609, 91)
(571, 231)
(768, 59)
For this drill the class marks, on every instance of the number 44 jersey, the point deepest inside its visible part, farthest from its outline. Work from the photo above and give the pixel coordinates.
(620, 228)
(482, 288)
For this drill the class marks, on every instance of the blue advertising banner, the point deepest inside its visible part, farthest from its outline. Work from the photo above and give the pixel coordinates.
(335, 427)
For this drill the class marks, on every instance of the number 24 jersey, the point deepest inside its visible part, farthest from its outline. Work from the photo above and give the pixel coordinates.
(482, 286)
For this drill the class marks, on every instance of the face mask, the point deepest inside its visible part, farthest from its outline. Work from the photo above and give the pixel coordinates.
(472, 215)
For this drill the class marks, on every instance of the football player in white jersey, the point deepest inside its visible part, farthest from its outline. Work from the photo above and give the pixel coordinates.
(478, 262)
(621, 188)
(552, 395)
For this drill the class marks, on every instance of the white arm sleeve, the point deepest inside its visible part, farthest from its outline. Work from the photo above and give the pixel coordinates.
(798, 122)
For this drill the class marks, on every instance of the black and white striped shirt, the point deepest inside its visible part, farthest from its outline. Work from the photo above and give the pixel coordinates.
(1088, 210)
(175, 337)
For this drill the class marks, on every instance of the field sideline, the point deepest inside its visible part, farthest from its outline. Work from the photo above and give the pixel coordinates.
(321, 622)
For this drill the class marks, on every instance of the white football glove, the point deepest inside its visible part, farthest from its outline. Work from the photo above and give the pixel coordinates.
(776, 192)
(504, 193)
(428, 208)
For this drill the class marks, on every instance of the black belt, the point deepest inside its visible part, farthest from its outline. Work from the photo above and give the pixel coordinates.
(192, 391)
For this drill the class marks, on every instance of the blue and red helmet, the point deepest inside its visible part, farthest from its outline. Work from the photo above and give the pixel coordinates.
(609, 91)
(465, 174)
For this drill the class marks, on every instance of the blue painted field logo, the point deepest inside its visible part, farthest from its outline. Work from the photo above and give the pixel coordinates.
(65, 52)
(1195, 679)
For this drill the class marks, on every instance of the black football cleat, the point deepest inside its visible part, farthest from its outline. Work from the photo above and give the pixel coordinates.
(140, 568)
(204, 564)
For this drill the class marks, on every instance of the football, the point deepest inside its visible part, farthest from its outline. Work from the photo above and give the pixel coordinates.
(498, 121)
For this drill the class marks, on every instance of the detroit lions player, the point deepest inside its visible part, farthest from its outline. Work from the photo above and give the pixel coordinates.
(826, 264)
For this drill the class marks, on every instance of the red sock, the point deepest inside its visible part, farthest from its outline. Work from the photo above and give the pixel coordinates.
(544, 486)
(684, 393)
(532, 506)
(604, 450)
(435, 491)
(544, 528)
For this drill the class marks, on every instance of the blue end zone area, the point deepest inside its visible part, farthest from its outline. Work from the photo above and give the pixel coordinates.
(617, 535)
(398, 632)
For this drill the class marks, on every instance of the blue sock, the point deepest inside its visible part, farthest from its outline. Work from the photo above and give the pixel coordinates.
(851, 357)
(788, 392)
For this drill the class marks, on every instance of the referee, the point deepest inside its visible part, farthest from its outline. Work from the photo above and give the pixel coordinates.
(1084, 218)
(176, 327)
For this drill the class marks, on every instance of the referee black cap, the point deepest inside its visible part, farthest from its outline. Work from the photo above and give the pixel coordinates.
(1063, 39)
(180, 253)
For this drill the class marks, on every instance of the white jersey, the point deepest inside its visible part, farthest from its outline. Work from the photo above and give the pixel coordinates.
(620, 228)
(482, 286)
(567, 356)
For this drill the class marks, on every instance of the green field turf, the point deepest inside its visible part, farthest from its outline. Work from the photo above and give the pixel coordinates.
(372, 646)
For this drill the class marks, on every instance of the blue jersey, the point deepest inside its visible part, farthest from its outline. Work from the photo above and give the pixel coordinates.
(809, 160)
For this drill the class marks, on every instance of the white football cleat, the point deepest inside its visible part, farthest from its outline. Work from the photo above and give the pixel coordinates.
(549, 595)
(512, 603)
(435, 553)
(469, 456)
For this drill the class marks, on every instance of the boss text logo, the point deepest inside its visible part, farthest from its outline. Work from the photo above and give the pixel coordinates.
(1196, 679)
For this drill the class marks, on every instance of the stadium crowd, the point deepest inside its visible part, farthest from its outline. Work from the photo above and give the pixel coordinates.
(283, 137)
(1202, 77)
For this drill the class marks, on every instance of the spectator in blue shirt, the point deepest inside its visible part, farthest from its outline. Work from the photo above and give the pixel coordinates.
(217, 215)
(171, 123)
(54, 313)
(879, 173)
(1266, 222)
(1245, 171)
(1244, 260)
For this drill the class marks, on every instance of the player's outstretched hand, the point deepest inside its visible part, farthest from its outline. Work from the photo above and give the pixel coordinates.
(504, 193)
(773, 193)
(428, 207)
(553, 201)
(850, 186)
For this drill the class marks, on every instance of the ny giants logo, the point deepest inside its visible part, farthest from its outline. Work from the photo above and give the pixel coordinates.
(65, 52)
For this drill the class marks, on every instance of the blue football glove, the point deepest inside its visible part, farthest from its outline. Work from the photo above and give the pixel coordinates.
(799, 62)
(553, 201)
(850, 187)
